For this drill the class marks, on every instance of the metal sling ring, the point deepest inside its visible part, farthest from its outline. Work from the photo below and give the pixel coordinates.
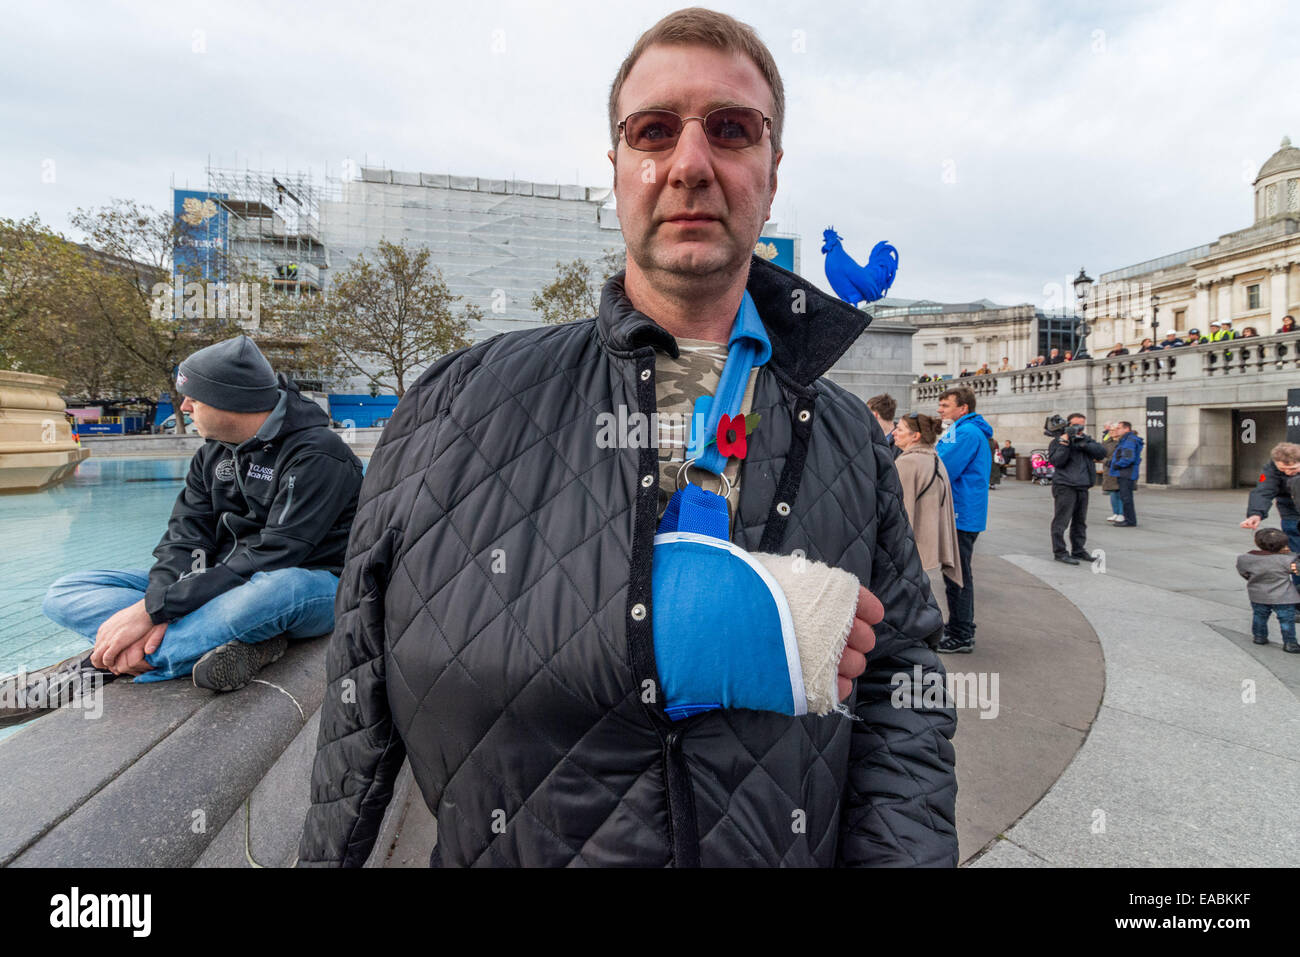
(724, 482)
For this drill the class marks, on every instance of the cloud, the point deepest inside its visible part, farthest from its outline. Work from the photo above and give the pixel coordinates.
(997, 145)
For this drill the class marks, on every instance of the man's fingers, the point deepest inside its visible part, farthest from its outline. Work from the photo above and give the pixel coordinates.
(861, 637)
(843, 686)
(110, 653)
(154, 639)
(130, 658)
(852, 663)
(870, 609)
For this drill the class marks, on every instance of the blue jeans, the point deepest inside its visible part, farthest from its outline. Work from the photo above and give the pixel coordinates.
(289, 601)
(1116, 503)
(1292, 528)
(1285, 619)
(1126, 486)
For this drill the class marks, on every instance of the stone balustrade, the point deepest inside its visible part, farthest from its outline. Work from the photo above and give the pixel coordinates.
(1202, 384)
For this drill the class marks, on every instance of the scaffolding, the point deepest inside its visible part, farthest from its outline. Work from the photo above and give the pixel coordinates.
(275, 232)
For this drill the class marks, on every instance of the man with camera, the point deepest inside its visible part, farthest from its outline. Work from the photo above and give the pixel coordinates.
(1071, 453)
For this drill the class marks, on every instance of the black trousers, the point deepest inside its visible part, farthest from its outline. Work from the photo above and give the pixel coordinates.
(1070, 507)
(961, 601)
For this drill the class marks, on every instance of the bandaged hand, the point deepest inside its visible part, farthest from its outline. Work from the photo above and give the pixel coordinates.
(833, 625)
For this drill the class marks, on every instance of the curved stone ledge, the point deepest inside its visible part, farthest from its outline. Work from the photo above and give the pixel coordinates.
(164, 772)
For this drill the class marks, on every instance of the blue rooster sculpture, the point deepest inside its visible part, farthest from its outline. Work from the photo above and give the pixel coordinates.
(854, 283)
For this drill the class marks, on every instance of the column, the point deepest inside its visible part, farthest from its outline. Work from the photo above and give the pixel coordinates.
(1225, 300)
(1277, 296)
(1200, 318)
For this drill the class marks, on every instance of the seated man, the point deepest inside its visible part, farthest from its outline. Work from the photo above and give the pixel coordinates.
(252, 550)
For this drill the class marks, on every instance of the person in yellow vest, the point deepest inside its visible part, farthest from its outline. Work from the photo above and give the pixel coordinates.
(1225, 331)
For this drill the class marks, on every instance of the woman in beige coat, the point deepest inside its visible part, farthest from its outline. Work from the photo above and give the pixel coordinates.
(927, 493)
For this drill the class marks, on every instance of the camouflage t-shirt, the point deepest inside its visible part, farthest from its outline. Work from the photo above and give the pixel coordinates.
(678, 383)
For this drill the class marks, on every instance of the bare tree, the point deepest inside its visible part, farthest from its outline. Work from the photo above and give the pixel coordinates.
(574, 294)
(49, 322)
(390, 318)
(130, 267)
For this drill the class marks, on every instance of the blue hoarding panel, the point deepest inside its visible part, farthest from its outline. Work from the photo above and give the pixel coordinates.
(203, 235)
(776, 249)
(361, 411)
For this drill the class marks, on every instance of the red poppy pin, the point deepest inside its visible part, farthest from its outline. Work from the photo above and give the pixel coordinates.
(731, 436)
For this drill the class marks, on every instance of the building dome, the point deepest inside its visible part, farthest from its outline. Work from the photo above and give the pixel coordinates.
(1277, 187)
(1287, 158)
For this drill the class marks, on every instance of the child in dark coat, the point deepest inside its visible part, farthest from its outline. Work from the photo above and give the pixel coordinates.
(1268, 570)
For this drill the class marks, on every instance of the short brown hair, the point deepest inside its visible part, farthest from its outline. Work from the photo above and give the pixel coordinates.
(1288, 453)
(698, 26)
(883, 405)
(961, 395)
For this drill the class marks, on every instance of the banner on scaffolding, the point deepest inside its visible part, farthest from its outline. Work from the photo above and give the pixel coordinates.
(202, 235)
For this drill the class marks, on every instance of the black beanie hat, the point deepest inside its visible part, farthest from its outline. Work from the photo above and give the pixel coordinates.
(231, 375)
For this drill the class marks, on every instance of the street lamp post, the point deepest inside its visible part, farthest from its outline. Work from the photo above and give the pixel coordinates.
(1155, 321)
(1082, 286)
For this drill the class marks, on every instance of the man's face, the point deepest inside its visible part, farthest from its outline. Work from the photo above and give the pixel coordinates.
(209, 421)
(1288, 469)
(727, 191)
(1056, 352)
(950, 410)
(1118, 430)
(1077, 420)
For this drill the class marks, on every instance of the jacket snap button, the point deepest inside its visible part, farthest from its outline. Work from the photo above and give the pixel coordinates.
(805, 415)
(645, 374)
(782, 508)
(638, 612)
(647, 481)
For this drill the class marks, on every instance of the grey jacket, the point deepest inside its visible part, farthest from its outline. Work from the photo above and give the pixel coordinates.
(1268, 577)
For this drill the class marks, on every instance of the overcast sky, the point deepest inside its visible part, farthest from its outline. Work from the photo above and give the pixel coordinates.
(998, 145)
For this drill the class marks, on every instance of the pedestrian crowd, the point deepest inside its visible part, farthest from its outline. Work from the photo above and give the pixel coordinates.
(945, 453)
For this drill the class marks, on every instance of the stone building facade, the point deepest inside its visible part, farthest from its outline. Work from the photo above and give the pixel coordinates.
(1250, 277)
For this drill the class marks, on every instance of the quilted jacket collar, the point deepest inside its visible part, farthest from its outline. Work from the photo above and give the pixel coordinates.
(804, 344)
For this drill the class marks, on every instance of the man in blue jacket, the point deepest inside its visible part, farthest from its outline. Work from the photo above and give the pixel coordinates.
(1124, 463)
(968, 457)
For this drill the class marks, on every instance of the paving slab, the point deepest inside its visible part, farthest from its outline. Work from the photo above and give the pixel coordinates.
(266, 829)
(1192, 758)
(1004, 853)
(171, 801)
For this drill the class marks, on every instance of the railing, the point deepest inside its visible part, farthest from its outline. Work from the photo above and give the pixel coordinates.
(1157, 366)
(981, 385)
(1257, 354)
(1037, 379)
(1276, 353)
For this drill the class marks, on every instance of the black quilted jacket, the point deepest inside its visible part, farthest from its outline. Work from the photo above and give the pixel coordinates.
(493, 621)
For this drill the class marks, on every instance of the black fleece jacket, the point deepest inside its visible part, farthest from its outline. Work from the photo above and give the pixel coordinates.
(283, 499)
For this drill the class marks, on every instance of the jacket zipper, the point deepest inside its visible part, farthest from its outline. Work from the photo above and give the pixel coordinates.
(288, 501)
(681, 803)
(234, 458)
